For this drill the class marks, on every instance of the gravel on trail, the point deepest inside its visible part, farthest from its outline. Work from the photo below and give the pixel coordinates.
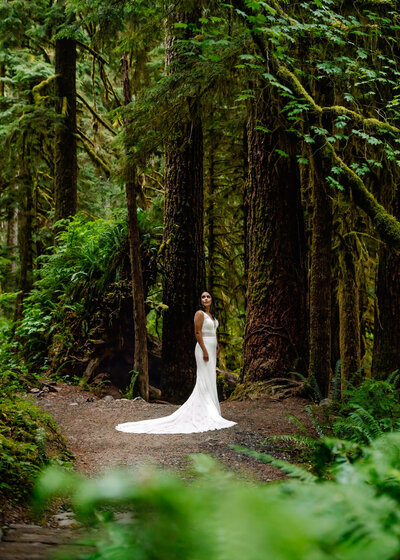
(88, 423)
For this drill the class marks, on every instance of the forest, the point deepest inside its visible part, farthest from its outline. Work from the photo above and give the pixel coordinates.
(151, 151)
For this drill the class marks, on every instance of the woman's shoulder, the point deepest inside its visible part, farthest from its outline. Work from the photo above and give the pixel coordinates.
(199, 313)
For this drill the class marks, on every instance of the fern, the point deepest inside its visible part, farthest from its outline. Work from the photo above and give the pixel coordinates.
(298, 423)
(293, 471)
(336, 389)
(360, 425)
(304, 441)
(317, 426)
(393, 378)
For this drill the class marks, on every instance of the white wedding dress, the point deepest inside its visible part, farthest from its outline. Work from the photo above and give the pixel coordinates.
(201, 412)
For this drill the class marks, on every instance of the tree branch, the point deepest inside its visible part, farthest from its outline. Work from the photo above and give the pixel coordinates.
(92, 51)
(387, 227)
(96, 159)
(36, 89)
(95, 114)
(367, 122)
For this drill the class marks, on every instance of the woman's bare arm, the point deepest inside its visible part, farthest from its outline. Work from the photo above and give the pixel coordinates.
(198, 324)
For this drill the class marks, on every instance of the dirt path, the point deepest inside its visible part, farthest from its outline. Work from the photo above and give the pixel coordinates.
(89, 422)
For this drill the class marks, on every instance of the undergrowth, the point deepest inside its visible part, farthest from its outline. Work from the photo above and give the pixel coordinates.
(29, 439)
(354, 515)
(338, 431)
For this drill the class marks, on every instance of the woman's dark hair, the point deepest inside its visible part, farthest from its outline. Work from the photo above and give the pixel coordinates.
(212, 308)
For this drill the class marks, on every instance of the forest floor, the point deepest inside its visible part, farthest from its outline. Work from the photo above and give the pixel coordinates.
(88, 424)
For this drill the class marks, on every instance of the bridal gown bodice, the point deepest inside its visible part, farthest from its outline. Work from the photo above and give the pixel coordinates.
(201, 412)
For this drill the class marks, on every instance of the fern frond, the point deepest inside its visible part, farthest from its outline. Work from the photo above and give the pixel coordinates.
(298, 423)
(304, 441)
(335, 393)
(293, 471)
(364, 419)
(394, 377)
(317, 426)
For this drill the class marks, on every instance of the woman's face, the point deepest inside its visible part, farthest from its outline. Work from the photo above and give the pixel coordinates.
(206, 299)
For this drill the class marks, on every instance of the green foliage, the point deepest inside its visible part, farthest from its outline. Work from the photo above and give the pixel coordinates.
(78, 269)
(82, 265)
(369, 410)
(340, 430)
(89, 263)
(215, 516)
(29, 439)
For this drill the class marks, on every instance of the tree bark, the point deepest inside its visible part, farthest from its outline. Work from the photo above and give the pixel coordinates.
(183, 245)
(12, 238)
(66, 167)
(140, 359)
(275, 338)
(386, 351)
(349, 316)
(2, 74)
(25, 242)
(320, 286)
(210, 213)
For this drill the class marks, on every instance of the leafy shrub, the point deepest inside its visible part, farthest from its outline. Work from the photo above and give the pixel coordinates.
(29, 439)
(354, 516)
(367, 413)
(70, 277)
(88, 266)
(369, 410)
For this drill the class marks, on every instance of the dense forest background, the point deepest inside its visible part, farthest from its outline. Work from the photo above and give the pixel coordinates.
(250, 149)
(154, 150)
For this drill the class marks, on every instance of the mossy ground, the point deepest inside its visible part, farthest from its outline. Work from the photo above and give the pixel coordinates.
(29, 439)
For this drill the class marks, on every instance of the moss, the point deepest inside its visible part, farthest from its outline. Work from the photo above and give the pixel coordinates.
(369, 123)
(386, 225)
(29, 439)
(36, 89)
(251, 390)
(222, 384)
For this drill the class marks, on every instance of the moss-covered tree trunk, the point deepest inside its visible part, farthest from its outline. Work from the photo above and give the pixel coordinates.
(12, 238)
(276, 327)
(320, 286)
(386, 351)
(349, 315)
(66, 167)
(183, 263)
(25, 240)
(2, 82)
(140, 358)
(210, 217)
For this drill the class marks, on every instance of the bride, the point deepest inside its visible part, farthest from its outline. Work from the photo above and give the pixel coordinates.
(201, 412)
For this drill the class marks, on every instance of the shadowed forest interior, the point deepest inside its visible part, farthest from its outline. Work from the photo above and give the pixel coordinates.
(154, 150)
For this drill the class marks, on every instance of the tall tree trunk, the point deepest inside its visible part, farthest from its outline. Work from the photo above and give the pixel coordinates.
(386, 352)
(245, 202)
(140, 359)
(349, 316)
(12, 238)
(184, 268)
(66, 167)
(25, 241)
(2, 74)
(320, 286)
(211, 219)
(276, 328)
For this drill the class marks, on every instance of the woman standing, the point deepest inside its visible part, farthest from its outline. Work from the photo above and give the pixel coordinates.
(201, 412)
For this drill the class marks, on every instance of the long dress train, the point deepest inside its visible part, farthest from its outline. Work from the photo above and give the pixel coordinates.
(201, 412)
